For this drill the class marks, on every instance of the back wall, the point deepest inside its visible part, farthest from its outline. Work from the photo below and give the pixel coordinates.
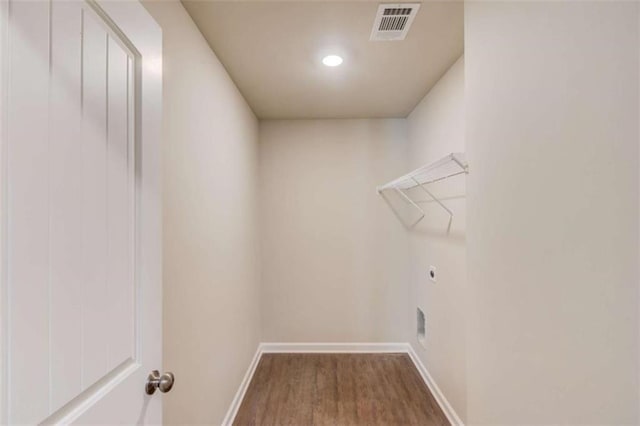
(334, 257)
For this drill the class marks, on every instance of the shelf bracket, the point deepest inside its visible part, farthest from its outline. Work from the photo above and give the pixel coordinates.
(410, 201)
(433, 197)
(437, 201)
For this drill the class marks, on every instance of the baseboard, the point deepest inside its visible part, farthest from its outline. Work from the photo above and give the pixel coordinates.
(448, 410)
(237, 399)
(334, 347)
(264, 348)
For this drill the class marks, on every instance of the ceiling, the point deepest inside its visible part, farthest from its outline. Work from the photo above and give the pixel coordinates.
(273, 52)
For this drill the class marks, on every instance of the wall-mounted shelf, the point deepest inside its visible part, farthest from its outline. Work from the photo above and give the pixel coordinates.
(453, 164)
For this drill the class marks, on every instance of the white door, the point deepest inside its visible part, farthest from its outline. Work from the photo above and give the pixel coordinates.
(80, 252)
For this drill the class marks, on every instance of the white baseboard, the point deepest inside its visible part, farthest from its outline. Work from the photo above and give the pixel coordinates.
(237, 399)
(334, 347)
(264, 348)
(448, 410)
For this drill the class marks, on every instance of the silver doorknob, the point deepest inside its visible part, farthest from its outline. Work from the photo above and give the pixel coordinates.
(155, 381)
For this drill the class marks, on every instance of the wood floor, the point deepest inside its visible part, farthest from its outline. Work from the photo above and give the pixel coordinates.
(338, 389)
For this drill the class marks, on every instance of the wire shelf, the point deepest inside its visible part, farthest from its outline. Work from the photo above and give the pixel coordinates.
(453, 164)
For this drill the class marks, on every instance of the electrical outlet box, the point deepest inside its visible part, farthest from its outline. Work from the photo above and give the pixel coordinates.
(432, 273)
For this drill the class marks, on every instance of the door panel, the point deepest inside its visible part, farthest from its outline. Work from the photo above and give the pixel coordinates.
(94, 201)
(120, 212)
(81, 283)
(28, 270)
(65, 203)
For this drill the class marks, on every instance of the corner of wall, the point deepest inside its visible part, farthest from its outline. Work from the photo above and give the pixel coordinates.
(436, 129)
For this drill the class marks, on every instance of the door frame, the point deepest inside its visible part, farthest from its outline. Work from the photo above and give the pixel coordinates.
(4, 45)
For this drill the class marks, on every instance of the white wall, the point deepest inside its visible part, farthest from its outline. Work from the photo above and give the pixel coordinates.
(334, 256)
(436, 129)
(552, 202)
(211, 263)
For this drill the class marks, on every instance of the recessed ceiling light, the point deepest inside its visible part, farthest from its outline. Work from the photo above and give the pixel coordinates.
(332, 60)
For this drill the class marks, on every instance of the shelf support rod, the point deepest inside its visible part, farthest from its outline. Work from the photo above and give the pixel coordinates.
(410, 201)
(432, 196)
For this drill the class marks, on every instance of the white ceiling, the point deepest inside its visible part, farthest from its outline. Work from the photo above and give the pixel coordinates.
(273, 52)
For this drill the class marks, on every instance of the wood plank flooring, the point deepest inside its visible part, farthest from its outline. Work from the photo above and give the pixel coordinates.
(338, 389)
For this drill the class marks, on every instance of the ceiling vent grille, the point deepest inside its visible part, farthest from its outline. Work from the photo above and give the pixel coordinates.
(393, 21)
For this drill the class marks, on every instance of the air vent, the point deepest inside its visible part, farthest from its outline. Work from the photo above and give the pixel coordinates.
(393, 21)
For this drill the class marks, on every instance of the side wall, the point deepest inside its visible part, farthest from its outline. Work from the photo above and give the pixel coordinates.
(211, 263)
(552, 201)
(436, 128)
(335, 257)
